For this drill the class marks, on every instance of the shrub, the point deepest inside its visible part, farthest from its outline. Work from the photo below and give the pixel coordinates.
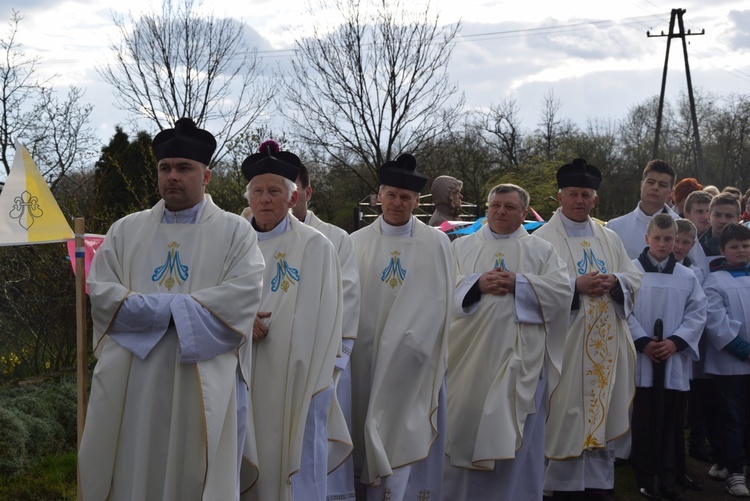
(36, 420)
(13, 439)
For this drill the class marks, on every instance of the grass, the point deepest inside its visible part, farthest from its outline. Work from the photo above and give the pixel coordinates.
(54, 479)
(48, 479)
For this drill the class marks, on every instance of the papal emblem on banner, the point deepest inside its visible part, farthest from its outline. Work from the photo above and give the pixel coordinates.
(29, 214)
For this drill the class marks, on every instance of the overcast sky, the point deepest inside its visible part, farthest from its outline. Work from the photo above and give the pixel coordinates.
(594, 55)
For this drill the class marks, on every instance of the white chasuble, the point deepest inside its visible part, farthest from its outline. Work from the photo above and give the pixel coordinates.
(302, 290)
(157, 428)
(399, 359)
(494, 361)
(590, 406)
(341, 481)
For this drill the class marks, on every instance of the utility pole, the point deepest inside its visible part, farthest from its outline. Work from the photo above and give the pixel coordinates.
(677, 15)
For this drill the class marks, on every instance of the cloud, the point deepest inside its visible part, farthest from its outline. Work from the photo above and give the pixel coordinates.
(739, 32)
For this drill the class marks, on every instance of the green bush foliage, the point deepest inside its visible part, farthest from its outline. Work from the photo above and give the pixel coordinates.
(13, 439)
(50, 478)
(36, 420)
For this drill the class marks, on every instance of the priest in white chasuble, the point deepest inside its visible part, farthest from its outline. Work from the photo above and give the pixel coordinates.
(174, 291)
(398, 363)
(511, 307)
(297, 336)
(589, 410)
(341, 475)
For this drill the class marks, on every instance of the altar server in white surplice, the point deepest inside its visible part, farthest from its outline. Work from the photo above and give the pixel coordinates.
(398, 362)
(589, 409)
(669, 292)
(297, 334)
(511, 308)
(174, 291)
(341, 479)
(656, 187)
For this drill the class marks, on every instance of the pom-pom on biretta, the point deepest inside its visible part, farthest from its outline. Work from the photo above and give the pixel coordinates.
(271, 160)
(402, 173)
(269, 146)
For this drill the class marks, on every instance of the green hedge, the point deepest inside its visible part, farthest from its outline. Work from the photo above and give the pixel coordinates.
(36, 420)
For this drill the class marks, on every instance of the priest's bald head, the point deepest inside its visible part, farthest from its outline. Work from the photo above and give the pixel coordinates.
(271, 190)
(400, 185)
(183, 155)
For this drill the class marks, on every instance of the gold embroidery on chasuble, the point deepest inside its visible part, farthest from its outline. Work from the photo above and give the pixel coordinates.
(286, 276)
(172, 272)
(599, 348)
(394, 274)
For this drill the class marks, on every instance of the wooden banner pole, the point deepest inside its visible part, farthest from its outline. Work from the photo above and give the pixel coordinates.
(81, 333)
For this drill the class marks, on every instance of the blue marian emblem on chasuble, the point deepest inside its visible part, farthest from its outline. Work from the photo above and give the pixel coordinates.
(589, 261)
(172, 271)
(285, 274)
(499, 262)
(394, 274)
(22, 203)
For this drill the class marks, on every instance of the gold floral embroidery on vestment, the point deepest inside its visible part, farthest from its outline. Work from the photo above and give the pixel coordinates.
(600, 357)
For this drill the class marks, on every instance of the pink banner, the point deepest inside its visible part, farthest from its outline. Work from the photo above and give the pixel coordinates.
(91, 243)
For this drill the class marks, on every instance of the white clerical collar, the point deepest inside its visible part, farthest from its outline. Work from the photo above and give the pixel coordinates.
(499, 236)
(575, 229)
(187, 216)
(639, 212)
(396, 231)
(279, 229)
(659, 265)
(307, 217)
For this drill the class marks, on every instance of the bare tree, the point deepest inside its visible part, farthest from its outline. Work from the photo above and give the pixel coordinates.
(683, 149)
(503, 125)
(728, 143)
(552, 130)
(55, 131)
(178, 64)
(62, 140)
(373, 86)
(636, 133)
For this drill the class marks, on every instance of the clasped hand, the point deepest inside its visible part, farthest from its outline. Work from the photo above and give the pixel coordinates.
(497, 282)
(595, 284)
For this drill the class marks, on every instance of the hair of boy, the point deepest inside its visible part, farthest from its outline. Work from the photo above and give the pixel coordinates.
(686, 226)
(661, 221)
(697, 197)
(746, 198)
(733, 231)
(712, 190)
(661, 167)
(725, 199)
(685, 188)
(732, 189)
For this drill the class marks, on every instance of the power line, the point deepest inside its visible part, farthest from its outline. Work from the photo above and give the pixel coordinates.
(581, 26)
(635, 22)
